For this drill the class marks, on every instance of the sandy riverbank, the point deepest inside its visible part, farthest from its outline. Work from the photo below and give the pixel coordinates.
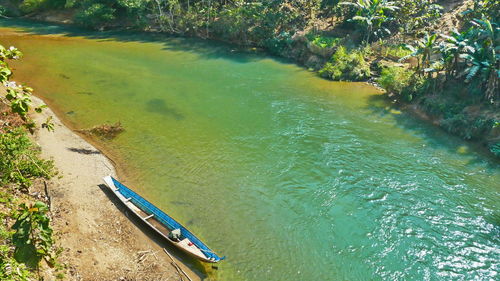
(100, 242)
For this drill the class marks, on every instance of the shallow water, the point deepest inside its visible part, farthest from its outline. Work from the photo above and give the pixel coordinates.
(290, 176)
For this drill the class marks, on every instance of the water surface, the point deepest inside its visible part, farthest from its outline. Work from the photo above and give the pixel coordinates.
(290, 176)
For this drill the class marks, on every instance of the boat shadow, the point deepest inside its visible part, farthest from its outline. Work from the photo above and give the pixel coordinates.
(199, 268)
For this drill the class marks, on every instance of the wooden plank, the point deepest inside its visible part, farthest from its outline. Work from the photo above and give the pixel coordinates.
(176, 266)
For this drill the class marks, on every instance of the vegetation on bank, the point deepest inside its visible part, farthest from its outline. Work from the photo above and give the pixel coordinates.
(26, 237)
(440, 56)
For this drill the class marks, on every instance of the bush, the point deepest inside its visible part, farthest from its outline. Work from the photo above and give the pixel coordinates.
(346, 65)
(30, 6)
(95, 16)
(394, 79)
(468, 127)
(324, 41)
(495, 149)
(10, 268)
(394, 51)
(403, 82)
(33, 237)
(19, 160)
(279, 44)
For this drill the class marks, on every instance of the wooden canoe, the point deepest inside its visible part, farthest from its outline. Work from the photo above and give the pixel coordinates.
(162, 223)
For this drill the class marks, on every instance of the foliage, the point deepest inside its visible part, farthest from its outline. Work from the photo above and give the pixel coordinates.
(394, 79)
(19, 166)
(473, 54)
(372, 15)
(30, 6)
(455, 44)
(19, 160)
(3, 11)
(17, 97)
(466, 126)
(487, 8)
(415, 14)
(495, 148)
(278, 44)
(345, 65)
(10, 268)
(33, 236)
(394, 51)
(324, 41)
(424, 50)
(483, 59)
(95, 16)
(99, 14)
(245, 21)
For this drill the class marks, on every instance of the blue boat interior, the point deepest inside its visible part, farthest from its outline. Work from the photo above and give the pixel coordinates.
(164, 219)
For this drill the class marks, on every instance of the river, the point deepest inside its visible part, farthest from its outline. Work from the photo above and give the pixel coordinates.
(290, 176)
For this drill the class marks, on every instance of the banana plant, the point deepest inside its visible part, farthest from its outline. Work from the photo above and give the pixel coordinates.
(424, 50)
(454, 45)
(483, 59)
(372, 14)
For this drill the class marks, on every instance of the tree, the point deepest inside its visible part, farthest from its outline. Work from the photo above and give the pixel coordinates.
(415, 14)
(484, 58)
(371, 15)
(452, 47)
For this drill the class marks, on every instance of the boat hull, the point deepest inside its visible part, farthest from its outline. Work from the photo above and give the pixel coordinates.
(149, 219)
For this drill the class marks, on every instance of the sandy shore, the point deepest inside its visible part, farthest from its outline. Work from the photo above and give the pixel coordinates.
(100, 242)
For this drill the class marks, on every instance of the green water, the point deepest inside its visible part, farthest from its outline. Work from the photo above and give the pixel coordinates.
(290, 176)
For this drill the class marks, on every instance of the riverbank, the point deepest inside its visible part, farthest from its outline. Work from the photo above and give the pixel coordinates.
(100, 241)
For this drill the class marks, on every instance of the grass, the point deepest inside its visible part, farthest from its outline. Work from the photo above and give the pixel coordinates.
(324, 41)
(394, 51)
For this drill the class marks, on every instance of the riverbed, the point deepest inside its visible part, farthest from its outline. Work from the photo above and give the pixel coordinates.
(290, 176)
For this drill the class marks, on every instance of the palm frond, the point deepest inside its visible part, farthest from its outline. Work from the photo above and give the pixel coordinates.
(472, 71)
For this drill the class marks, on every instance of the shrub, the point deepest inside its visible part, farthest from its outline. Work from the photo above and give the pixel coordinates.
(395, 51)
(495, 149)
(324, 41)
(30, 6)
(279, 44)
(33, 236)
(95, 16)
(468, 127)
(19, 159)
(394, 79)
(11, 269)
(346, 65)
(401, 81)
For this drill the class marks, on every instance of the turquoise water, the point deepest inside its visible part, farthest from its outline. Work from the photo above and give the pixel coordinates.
(290, 176)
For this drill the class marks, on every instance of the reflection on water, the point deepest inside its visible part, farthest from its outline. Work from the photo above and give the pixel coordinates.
(290, 176)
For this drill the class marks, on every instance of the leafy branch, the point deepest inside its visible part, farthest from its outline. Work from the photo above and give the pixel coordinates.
(33, 236)
(18, 97)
